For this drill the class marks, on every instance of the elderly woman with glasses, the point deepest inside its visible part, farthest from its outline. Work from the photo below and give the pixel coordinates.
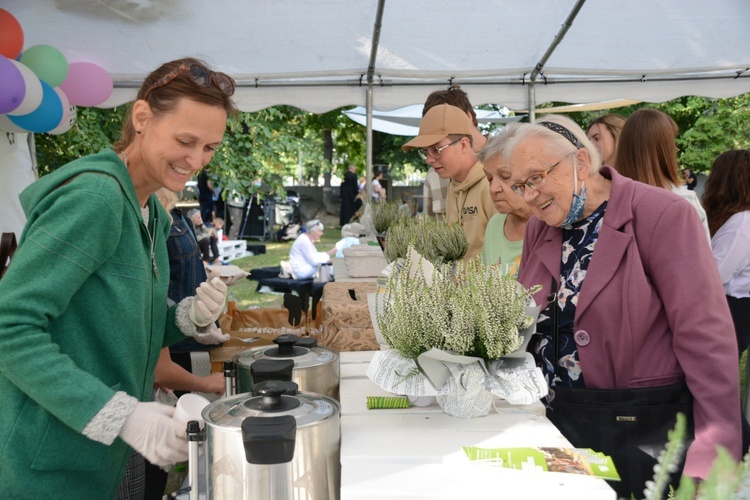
(303, 256)
(503, 238)
(84, 318)
(622, 314)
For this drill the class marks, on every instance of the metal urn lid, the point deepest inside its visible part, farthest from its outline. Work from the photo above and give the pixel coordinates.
(273, 399)
(303, 351)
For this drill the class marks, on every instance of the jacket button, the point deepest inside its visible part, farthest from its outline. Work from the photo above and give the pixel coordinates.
(582, 338)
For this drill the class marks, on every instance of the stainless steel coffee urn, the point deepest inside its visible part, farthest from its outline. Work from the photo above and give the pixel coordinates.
(280, 444)
(312, 368)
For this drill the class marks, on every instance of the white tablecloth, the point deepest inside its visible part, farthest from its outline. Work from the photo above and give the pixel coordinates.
(415, 453)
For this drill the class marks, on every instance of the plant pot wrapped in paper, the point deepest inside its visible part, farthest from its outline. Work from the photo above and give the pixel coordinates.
(458, 332)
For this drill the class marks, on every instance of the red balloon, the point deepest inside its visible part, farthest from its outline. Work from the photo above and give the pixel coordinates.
(11, 35)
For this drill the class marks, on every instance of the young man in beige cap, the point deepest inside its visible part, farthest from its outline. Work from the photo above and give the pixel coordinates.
(435, 190)
(445, 142)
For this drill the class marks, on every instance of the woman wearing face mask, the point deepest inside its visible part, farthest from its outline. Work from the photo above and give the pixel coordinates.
(624, 314)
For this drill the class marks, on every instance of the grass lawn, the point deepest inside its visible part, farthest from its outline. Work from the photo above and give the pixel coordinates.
(244, 290)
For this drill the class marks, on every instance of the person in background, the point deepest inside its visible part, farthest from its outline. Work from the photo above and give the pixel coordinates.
(503, 238)
(647, 153)
(303, 256)
(186, 272)
(434, 193)
(727, 202)
(219, 228)
(690, 179)
(206, 197)
(435, 189)
(208, 242)
(348, 191)
(629, 314)
(82, 321)
(378, 191)
(604, 134)
(445, 142)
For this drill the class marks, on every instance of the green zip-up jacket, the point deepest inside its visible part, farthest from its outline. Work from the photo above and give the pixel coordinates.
(83, 314)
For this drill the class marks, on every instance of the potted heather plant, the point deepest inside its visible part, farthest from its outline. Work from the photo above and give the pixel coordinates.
(472, 310)
(450, 327)
(384, 216)
(432, 238)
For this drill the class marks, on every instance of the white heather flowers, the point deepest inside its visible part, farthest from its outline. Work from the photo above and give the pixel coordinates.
(474, 310)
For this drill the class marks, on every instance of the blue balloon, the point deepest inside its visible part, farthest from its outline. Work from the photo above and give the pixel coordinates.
(44, 118)
(12, 86)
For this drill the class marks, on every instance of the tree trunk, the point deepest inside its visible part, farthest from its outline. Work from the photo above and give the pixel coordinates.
(328, 155)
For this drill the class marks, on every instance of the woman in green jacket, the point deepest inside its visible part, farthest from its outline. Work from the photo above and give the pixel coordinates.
(83, 305)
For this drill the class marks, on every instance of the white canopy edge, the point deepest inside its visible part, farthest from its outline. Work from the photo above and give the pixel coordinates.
(320, 99)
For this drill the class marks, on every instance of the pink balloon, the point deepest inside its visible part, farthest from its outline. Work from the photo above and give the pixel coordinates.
(87, 84)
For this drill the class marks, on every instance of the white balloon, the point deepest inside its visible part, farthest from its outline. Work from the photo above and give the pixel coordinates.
(69, 114)
(34, 92)
(8, 126)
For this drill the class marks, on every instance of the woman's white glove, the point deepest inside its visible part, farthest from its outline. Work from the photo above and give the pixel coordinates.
(209, 302)
(151, 431)
(214, 336)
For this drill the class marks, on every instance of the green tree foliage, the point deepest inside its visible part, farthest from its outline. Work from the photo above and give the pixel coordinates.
(708, 127)
(94, 130)
(260, 146)
(723, 125)
(271, 144)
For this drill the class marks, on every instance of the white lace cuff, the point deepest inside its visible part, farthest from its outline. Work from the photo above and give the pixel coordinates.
(184, 323)
(106, 424)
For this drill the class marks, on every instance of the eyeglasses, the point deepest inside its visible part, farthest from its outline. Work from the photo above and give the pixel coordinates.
(535, 181)
(433, 151)
(200, 76)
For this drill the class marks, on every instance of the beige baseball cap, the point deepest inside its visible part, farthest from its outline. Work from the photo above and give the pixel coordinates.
(438, 123)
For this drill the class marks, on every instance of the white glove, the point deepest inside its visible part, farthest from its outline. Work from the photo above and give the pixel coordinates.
(151, 431)
(209, 302)
(214, 336)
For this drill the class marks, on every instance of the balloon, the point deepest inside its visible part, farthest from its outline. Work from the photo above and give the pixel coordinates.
(8, 126)
(12, 86)
(48, 63)
(11, 35)
(33, 84)
(87, 84)
(69, 114)
(44, 118)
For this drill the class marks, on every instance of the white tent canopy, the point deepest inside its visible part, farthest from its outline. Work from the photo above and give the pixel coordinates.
(318, 55)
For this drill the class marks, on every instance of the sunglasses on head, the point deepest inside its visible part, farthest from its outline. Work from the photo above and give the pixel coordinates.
(200, 76)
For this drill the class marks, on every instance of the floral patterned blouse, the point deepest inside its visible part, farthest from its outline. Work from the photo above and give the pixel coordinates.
(577, 250)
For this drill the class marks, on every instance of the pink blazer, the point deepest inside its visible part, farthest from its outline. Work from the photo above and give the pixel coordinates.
(652, 309)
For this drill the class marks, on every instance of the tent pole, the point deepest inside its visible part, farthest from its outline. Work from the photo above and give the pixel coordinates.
(368, 139)
(548, 53)
(370, 78)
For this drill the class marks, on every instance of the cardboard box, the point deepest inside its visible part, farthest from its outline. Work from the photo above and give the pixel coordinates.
(346, 317)
(264, 323)
(364, 261)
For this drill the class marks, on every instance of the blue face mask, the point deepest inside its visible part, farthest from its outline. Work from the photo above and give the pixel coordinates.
(576, 206)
